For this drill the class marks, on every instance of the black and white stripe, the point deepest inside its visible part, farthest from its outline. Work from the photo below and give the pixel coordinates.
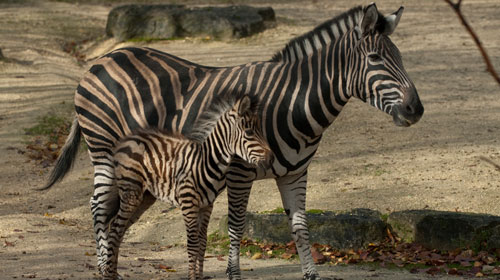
(302, 89)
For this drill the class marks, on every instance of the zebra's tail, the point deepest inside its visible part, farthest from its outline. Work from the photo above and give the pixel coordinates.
(67, 156)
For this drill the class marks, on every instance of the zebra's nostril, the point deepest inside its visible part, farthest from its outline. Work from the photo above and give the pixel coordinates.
(409, 109)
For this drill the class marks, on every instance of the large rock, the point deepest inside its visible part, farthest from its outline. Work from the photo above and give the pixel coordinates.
(172, 21)
(342, 230)
(447, 230)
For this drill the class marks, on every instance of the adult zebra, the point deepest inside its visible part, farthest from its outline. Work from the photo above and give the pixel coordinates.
(301, 90)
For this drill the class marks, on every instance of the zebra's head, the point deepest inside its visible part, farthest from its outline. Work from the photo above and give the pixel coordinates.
(382, 80)
(249, 144)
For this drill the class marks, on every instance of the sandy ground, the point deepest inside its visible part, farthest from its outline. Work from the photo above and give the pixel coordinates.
(363, 161)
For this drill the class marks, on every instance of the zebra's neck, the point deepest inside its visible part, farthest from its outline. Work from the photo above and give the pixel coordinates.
(314, 71)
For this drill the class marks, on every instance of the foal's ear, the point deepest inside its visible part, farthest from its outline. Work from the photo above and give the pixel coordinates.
(244, 105)
(370, 18)
(391, 21)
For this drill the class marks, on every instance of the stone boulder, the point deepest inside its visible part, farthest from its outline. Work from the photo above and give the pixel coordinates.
(447, 230)
(341, 230)
(174, 21)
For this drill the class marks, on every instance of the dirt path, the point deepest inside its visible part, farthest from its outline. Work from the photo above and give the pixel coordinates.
(363, 161)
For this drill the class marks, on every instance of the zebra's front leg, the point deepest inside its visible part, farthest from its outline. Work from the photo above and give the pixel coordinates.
(293, 195)
(238, 192)
(203, 220)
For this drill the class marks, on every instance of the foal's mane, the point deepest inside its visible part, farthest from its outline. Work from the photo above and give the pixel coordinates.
(207, 120)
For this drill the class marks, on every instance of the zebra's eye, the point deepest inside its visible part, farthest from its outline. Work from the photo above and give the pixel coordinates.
(249, 132)
(375, 57)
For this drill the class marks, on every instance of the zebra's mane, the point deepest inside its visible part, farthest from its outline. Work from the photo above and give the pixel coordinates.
(328, 31)
(206, 122)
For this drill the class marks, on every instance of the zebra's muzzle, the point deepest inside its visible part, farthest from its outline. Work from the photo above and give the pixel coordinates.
(409, 111)
(268, 162)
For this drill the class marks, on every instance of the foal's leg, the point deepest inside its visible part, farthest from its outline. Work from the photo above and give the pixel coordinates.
(239, 184)
(203, 220)
(131, 198)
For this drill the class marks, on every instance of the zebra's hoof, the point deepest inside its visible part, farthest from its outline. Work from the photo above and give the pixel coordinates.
(114, 277)
(106, 275)
(311, 277)
(231, 275)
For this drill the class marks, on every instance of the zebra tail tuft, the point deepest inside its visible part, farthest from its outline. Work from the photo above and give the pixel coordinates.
(67, 156)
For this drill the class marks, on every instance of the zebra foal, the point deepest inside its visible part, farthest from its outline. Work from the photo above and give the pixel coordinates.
(187, 171)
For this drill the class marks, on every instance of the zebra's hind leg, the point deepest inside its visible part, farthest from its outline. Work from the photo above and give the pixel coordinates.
(203, 220)
(238, 191)
(147, 201)
(293, 196)
(104, 205)
(131, 199)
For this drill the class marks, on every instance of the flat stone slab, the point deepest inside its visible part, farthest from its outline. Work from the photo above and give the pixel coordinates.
(447, 230)
(174, 21)
(342, 230)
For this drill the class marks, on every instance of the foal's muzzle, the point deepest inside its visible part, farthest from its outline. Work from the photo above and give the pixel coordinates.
(268, 162)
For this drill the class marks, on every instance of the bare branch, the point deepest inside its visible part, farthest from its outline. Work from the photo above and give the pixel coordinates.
(489, 65)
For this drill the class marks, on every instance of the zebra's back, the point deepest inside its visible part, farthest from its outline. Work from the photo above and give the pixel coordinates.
(134, 88)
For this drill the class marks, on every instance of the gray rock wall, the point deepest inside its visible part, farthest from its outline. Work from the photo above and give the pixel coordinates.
(342, 230)
(345, 230)
(173, 21)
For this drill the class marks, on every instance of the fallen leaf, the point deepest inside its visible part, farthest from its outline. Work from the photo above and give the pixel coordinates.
(246, 269)
(465, 263)
(286, 256)
(433, 270)
(256, 256)
(164, 267)
(317, 256)
(487, 268)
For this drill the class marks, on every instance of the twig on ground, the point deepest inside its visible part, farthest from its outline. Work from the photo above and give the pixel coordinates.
(488, 160)
(489, 65)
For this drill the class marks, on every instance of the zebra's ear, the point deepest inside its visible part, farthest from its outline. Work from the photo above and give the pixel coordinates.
(391, 21)
(370, 18)
(244, 105)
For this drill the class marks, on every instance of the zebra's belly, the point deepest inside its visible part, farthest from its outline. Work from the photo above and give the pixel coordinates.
(163, 192)
(277, 170)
